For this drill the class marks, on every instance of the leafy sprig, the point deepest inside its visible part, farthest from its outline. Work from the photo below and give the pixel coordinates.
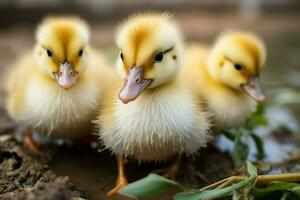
(282, 186)
(242, 135)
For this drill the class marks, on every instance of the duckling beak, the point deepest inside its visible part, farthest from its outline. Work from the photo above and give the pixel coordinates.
(66, 76)
(134, 84)
(253, 89)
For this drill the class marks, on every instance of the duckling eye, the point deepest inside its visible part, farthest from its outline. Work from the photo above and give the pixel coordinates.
(80, 52)
(49, 53)
(159, 57)
(121, 56)
(238, 66)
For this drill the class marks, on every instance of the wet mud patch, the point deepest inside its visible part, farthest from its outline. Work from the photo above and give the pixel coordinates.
(25, 177)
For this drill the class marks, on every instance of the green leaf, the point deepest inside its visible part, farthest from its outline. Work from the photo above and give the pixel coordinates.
(257, 118)
(217, 193)
(246, 191)
(285, 196)
(260, 109)
(150, 186)
(229, 135)
(236, 195)
(259, 146)
(296, 190)
(252, 171)
(240, 151)
(274, 189)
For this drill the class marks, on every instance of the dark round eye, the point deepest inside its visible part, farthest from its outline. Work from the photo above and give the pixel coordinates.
(80, 52)
(159, 57)
(121, 56)
(49, 53)
(238, 66)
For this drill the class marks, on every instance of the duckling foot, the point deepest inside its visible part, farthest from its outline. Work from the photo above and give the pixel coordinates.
(171, 170)
(119, 186)
(28, 142)
(122, 180)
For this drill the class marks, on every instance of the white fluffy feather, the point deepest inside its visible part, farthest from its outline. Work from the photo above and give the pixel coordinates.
(157, 125)
(53, 111)
(237, 109)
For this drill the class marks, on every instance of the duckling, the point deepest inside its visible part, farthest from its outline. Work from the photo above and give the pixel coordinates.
(228, 76)
(55, 89)
(157, 113)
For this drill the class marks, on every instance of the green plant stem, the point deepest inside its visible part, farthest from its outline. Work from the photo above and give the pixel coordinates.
(228, 135)
(261, 180)
(259, 146)
(225, 184)
(215, 184)
(288, 177)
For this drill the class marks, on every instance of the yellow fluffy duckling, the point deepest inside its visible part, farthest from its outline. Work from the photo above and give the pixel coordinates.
(228, 76)
(55, 88)
(156, 114)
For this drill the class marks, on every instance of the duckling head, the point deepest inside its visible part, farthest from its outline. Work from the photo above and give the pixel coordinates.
(61, 49)
(151, 53)
(236, 60)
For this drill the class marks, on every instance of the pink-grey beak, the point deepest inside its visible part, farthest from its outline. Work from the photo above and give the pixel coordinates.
(253, 89)
(66, 76)
(134, 84)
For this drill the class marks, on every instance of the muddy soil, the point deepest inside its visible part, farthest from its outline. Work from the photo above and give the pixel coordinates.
(25, 177)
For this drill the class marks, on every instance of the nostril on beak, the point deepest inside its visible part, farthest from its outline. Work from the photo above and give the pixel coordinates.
(137, 80)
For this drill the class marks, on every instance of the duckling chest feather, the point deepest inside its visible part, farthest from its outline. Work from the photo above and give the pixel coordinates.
(57, 112)
(156, 126)
(231, 110)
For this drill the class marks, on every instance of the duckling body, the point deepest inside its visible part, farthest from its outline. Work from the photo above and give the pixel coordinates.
(222, 71)
(40, 101)
(228, 107)
(157, 113)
